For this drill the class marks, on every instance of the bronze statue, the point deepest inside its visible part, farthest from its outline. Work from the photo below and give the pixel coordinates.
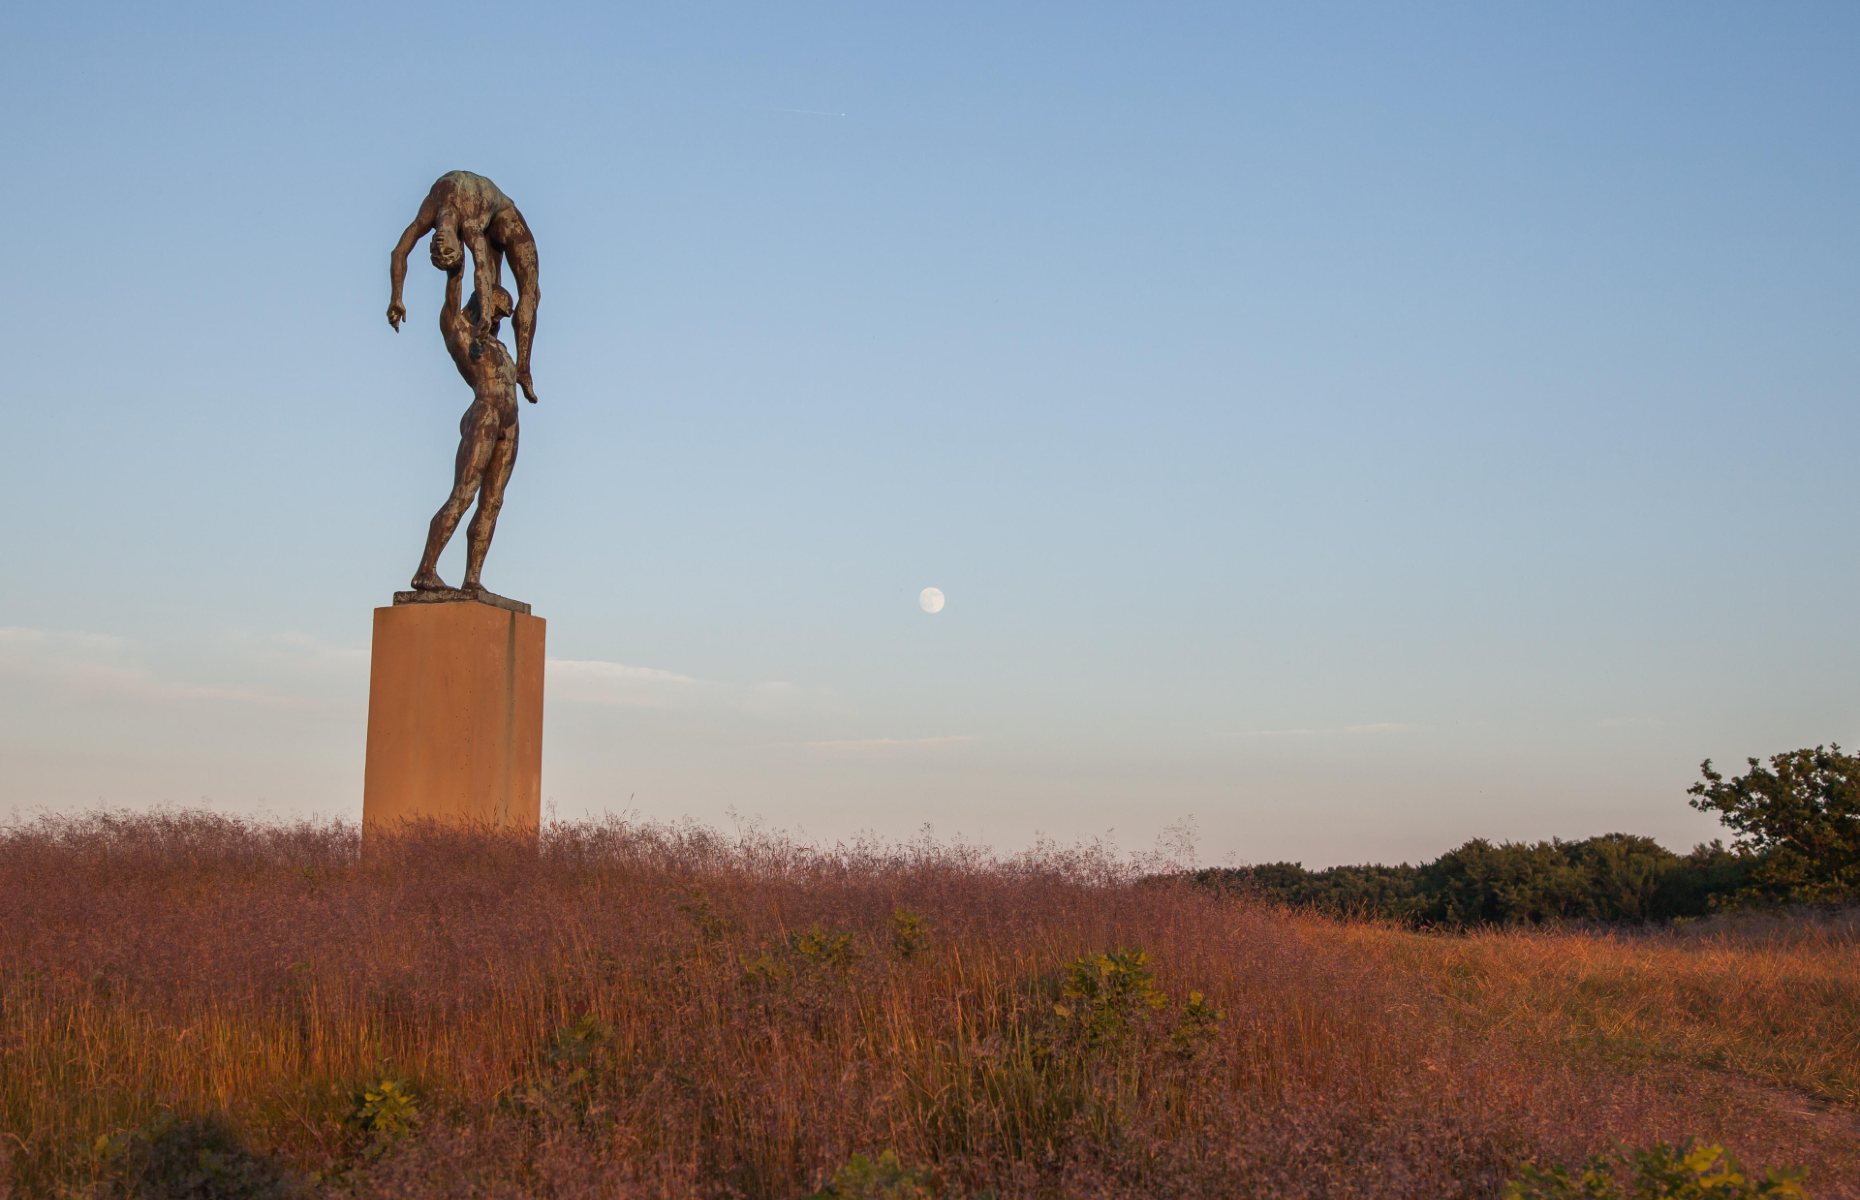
(487, 432)
(468, 208)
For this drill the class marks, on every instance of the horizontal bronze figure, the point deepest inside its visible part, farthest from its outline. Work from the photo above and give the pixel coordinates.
(467, 211)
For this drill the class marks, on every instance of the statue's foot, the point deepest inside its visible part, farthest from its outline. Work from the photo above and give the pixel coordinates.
(428, 581)
(529, 388)
(472, 585)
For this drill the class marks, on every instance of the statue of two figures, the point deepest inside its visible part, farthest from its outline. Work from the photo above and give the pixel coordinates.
(467, 212)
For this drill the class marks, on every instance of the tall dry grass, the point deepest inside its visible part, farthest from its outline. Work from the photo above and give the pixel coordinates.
(1768, 1000)
(661, 1011)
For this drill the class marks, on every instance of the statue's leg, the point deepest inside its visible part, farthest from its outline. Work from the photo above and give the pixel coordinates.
(490, 501)
(520, 248)
(477, 440)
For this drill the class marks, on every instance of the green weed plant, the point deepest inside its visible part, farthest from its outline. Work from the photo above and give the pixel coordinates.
(1689, 1171)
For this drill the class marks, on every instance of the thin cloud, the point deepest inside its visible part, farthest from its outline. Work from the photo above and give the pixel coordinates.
(298, 653)
(569, 680)
(882, 745)
(304, 644)
(103, 665)
(1629, 722)
(601, 682)
(16, 637)
(612, 672)
(1329, 731)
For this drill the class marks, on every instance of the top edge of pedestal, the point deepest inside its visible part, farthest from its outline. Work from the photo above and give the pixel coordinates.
(462, 596)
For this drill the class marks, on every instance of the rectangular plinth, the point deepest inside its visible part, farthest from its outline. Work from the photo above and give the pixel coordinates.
(455, 695)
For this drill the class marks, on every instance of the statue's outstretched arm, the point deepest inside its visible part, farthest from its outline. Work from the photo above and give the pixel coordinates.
(423, 223)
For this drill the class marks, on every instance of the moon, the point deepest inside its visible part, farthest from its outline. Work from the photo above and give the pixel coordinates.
(930, 600)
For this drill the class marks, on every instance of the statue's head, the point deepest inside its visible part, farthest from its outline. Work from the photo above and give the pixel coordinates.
(501, 306)
(446, 252)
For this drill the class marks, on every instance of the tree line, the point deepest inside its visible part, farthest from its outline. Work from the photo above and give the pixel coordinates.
(1795, 826)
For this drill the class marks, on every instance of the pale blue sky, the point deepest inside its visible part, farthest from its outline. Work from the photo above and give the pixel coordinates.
(1356, 427)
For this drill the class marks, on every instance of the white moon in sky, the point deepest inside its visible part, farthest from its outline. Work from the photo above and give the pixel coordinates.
(930, 600)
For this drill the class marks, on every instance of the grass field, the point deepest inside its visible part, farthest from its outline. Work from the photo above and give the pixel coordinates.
(641, 1011)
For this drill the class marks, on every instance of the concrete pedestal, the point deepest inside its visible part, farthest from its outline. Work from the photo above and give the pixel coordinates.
(455, 696)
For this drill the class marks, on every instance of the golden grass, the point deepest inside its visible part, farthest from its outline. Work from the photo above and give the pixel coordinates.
(1772, 1002)
(196, 966)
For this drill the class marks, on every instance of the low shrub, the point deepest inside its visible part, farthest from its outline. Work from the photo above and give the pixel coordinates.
(1689, 1171)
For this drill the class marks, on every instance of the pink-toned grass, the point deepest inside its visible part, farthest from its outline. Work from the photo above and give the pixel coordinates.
(195, 965)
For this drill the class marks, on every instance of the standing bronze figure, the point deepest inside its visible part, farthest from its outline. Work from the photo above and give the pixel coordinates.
(487, 432)
(468, 208)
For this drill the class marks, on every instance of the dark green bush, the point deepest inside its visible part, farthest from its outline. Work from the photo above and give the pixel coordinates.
(1801, 815)
(1612, 879)
(191, 1158)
